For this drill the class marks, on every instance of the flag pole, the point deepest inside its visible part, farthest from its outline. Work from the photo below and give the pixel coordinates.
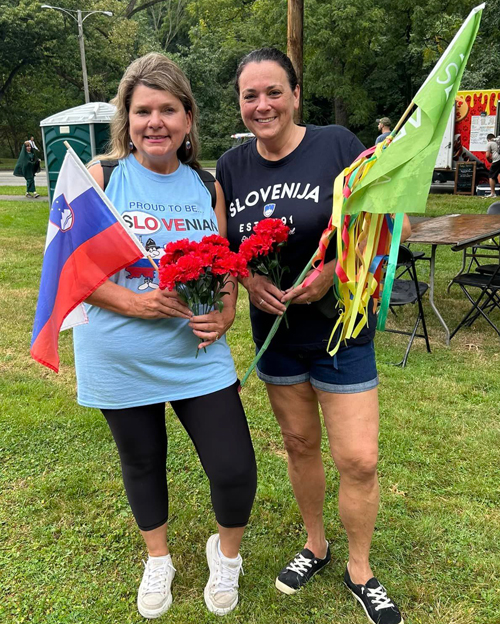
(403, 118)
(109, 204)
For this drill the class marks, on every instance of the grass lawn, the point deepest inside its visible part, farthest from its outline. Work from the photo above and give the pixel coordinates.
(7, 164)
(21, 190)
(70, 552)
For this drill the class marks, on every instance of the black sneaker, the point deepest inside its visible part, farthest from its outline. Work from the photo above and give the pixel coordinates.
(300, 570)
(379, 608)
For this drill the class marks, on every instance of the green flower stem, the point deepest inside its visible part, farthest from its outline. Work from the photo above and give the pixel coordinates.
(276, 324)
(277, 275)
(202, 297)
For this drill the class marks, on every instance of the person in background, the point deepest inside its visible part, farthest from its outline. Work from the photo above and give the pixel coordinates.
(27, 167)
(288, 170)
(493, 156)
(138, 350)
(33, 144)
(384, 126)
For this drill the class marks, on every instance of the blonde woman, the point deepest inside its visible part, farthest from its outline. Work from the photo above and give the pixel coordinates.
(137, 351)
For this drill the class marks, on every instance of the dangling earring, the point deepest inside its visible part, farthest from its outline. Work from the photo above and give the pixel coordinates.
(188, 143)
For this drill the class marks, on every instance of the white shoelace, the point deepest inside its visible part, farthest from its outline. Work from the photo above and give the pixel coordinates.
(378, 596)
(300, 564)
(155, 577)
(226, 579)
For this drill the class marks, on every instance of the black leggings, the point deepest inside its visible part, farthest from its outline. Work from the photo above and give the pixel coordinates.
(217, 425)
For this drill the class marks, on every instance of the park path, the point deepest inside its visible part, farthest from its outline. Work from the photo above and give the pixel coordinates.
(23, 198)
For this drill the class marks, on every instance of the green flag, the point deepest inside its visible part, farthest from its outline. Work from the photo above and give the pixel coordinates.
(399, 180)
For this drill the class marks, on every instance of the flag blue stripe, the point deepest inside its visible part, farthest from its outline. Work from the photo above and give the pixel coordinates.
(91, 216)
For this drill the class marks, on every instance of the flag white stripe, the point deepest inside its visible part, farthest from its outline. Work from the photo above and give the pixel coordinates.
(105, 199)
(51, 232)
(78, 316)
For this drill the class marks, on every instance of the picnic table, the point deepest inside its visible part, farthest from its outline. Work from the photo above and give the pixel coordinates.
(458, 231)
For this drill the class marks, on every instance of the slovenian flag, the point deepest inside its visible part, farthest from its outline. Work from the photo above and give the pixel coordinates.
(87, 242)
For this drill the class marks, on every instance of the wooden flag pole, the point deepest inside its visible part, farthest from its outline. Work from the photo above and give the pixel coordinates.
(403, 118)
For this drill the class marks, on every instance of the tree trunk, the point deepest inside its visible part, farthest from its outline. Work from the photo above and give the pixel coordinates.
(340, 111)
(10, 78)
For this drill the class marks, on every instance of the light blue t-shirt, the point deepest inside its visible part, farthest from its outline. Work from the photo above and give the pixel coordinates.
(126, 362)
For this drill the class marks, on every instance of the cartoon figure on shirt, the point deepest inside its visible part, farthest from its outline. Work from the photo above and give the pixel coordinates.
(142, 268)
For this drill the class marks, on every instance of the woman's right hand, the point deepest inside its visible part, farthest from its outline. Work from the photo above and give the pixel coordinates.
(264, 294)
(154, 304)
(158, 304)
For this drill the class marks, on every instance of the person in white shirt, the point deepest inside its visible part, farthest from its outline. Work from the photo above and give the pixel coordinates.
(33, 144)
(493, 156)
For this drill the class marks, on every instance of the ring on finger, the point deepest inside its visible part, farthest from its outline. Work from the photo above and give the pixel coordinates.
(217, 336)
(261, 301)
(308, 302)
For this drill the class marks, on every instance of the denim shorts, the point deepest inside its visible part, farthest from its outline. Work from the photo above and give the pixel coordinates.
(350, 371)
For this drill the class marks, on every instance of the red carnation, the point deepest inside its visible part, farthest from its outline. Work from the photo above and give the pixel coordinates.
(261, 249)
(256, 245)
(232, 263)
(214, 239)
(274, 228)
(169, 275)
(189, 268)
(176, 249)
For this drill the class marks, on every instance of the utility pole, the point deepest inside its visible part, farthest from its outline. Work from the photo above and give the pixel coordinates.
(295, 43)
(82, 56)
(79, 19)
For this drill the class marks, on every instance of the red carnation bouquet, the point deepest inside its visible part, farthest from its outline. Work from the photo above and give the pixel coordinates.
(261, 250)
(199, 271)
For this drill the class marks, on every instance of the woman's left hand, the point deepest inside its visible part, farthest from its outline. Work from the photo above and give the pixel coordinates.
(212, 326)
(316, 290)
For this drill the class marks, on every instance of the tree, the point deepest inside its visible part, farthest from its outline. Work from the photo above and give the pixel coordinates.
(482, 71)
(25, 36)
(342, 39)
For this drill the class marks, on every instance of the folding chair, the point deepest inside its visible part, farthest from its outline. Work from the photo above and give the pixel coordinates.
(488, 268)
(409, 291)
(487, 300)
(493, 209)
(403, 268)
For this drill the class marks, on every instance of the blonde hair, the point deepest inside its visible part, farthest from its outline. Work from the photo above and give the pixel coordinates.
(155, 71)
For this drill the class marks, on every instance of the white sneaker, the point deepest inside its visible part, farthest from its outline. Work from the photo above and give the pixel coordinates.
(155, 597)
(221, 591)
(489, 196)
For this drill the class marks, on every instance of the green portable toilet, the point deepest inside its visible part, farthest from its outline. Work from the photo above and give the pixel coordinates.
(86, 128)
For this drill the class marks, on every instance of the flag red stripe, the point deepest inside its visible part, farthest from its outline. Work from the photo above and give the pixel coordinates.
(79, 278)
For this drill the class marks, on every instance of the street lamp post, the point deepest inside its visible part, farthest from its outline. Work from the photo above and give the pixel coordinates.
(79, 20)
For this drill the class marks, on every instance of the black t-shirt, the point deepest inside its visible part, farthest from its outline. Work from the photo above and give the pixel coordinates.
(297, 189)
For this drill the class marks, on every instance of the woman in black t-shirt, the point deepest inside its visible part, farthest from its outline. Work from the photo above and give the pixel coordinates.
(288, 171)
